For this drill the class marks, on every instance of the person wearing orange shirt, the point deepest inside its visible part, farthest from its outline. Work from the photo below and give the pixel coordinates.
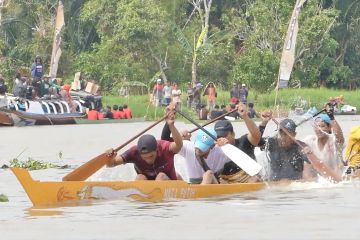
(127, 111)
(93, 114)
(115, 112)
(121, 113)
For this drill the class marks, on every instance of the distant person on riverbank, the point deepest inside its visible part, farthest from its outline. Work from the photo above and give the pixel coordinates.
(65, 95)
(167, 91)
(210, 92)
(176, 93)
(234, 93)
(3, 87)
(243, 94)
(197, 97)
(216, 112)
(190, 95)
(158, 93)
(127, 112)
(251, 111)
(19, 87)
(93, 114)
(37, 72)
(153, 159)
(203, 113)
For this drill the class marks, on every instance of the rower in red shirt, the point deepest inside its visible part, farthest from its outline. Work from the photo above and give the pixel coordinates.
(121, 113)
(127, 111)
(115, 112)
(153, 159)
(93, 114)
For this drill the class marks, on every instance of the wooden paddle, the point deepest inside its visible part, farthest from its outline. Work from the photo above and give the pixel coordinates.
(316, 162)
(213, 120)
(240, 158)
(87, 169)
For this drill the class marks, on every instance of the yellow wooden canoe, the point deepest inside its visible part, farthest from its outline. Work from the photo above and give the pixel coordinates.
(54, 193)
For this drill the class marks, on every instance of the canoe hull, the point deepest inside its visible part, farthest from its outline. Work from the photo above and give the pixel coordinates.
(68, 193)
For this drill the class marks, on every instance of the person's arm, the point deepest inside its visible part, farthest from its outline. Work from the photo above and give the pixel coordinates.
(115, 159)
(165, 134)
(175, 146)
(254, 132)
(339, 136)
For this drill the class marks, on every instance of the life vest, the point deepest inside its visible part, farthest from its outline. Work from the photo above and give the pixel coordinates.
(352, 153)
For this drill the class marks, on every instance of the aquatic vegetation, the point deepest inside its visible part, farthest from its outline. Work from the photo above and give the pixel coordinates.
(3, 198)
(33, 164)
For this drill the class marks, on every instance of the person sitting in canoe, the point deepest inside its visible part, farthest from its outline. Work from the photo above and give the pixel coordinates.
(204, 160)
(225, 132)
(287, 158)
(153, 159)
(327, 143)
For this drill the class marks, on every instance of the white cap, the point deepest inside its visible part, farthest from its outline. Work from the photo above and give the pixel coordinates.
(243, 85)
(159, 80)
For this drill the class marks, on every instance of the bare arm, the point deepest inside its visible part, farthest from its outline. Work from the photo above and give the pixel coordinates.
(115, 159)
(254, 132)
(175, 146)
(338, 132)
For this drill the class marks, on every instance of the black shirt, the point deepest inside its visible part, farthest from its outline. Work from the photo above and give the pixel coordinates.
(285, 163)
(244, 145)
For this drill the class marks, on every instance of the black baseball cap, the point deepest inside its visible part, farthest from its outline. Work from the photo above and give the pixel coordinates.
(223, 127)
(289, 125)
(146, 143)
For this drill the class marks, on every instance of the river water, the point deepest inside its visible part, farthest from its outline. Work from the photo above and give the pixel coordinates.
(319, 210)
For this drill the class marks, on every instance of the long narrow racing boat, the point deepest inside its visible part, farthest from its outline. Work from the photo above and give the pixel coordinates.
(55, 193)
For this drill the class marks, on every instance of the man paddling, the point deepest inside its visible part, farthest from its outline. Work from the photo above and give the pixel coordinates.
(153, 159)
(246, 143)
(287, 158)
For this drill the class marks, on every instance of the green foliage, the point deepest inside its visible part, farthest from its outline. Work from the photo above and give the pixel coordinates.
(33, 164)
(134, 40)
(3, 198)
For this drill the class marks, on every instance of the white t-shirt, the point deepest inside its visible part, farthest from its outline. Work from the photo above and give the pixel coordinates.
(215, 160)
(167, 91)
(328, 154)
(176, 95)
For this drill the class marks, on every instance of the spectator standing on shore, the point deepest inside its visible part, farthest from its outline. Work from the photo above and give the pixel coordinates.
(158, 93)
(243, 93)
(251, 111)
(211, 93)
(234, 93)
(37, 72)
(3, 87)
(190, 95)
(167, 91)
(197, 97)
(176, 93)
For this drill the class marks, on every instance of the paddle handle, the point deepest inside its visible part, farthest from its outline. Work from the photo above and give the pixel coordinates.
(213, 120)
(141, 133)
(196, 124)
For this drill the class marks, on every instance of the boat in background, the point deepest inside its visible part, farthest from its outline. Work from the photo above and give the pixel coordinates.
(73, 192)
(22, 112)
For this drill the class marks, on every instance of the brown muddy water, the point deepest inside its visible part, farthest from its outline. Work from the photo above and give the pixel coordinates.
(319, 210)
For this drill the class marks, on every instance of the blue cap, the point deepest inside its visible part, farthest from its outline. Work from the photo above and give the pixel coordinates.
(325, 118)
(203, 141)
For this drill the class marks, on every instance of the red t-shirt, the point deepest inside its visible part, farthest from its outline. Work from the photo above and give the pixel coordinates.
(121, 114)
(117, 114)
(93, 115)
(164, 161)
(128, 113)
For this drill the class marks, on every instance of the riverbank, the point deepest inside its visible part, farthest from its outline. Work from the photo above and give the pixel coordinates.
(287, 99)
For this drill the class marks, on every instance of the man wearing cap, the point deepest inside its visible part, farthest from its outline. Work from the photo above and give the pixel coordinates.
(153, 159)
(327, 143)
(246, 143)
(286, 158)
(204, 160)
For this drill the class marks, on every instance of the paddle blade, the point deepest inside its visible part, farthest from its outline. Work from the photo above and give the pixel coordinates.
(87, 169)
(249, 165)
